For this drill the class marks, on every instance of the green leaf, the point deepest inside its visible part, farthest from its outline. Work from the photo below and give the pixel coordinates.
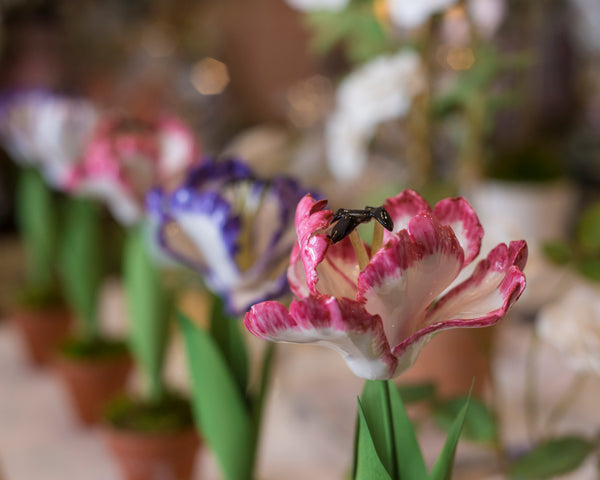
(149, 306)
(377, 413)
(226, 332)
(588, 229)
(442, 470)
(219, 408)
(81, 262)
(551, 458)
(480, 423)
(36, 217)
(416, 392)
(391, 431)
(559, 253)
(409, 458)
(590, 268)
(368, 463)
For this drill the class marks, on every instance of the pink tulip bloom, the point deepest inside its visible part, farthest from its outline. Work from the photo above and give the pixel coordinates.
(379, 317)
(127, 157)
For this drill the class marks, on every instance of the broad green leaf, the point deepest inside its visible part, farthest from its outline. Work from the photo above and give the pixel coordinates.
(409, 458)
(81, 262)
(36, 217)
(149, 306)
(552, 458)
(368, 463)
(226, 332)
(588, 229)
(219, 408)
(416, 392)
(480, 423)
(442, 470)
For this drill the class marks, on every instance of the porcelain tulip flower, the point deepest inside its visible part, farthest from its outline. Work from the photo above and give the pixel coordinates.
(47, 131)
(378, 306)
(128, 156)
(235, 229)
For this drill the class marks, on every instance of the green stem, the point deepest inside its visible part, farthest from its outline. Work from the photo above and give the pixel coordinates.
(390, 440)
(259, 403)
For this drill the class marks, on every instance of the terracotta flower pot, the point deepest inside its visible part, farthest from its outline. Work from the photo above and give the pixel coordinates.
(41, 331)
(453, 360)
(92, 382)
(150, 456)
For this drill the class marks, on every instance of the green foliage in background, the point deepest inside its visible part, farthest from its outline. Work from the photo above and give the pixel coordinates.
(36, 218)
(81, 263)
(583, 252)
(150, 308)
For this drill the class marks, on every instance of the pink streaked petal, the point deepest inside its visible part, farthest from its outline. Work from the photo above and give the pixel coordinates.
(481, 301)
(342, 325)
(510, 288)
(408, 273)
(338, 272)
(296, 275)
(311, 221)
(463, 220)
(486, 295)
(402, 208)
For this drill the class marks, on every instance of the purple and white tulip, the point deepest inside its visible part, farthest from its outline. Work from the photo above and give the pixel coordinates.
(46, 131)
(233, 228)
(379, 317)
(128, 156)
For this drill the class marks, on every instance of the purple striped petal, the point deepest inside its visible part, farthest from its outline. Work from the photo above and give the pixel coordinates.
(340, 324)
(463, 220)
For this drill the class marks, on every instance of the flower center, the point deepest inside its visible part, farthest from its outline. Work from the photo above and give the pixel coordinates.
(347, 220)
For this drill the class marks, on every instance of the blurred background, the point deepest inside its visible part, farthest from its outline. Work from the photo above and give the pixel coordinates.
(496, 100)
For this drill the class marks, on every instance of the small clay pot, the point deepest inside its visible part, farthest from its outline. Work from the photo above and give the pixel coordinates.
(454, 360)
(92, 382)
(41, 331)
(150, 456)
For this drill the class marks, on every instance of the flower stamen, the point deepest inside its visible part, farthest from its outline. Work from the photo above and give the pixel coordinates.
(377, 242)
(359, 248)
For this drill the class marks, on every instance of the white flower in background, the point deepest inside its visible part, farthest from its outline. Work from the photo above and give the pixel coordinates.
(307, 5)
(414, 13)
(379, 91)
(487, 15)
(572, 325)
(47, 131)
(346, 147)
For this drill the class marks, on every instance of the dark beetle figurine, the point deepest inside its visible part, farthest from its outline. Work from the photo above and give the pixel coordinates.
(347, 220)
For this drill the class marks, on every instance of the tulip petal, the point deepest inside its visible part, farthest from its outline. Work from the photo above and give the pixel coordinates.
(312, 219)
(402, 208)
(406, 275)
(463, 220)
(480, 301)
(340, 324)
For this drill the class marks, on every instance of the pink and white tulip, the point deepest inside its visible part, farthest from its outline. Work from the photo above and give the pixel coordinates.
(127, 157)
(380, 317)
